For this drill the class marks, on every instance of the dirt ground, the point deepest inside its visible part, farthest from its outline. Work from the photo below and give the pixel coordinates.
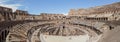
(112, 35)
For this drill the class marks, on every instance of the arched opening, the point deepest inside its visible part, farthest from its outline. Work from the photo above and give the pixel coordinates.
(3, 35)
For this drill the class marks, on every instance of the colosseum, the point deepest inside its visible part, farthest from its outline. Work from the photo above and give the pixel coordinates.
(94, 24)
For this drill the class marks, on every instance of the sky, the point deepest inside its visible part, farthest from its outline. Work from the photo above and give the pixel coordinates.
(52, 6)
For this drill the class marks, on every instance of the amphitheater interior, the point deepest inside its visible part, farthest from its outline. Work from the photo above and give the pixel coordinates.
(96, 24)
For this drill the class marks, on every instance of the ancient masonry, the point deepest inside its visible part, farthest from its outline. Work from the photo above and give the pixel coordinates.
(80, 25)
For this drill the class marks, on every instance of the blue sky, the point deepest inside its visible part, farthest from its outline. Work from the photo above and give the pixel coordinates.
(54, 6)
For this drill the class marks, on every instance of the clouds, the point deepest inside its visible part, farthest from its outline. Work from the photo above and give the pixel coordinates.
(13, 6)
(2, 1)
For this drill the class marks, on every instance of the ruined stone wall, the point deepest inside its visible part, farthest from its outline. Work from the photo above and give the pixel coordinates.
(20, 14)
(97, 12)
(48, 16)
(111, 11)
(6, 14)
(106, 9)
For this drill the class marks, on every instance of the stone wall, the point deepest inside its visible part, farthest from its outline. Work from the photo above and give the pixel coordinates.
(109, 11)
(50, 16)
(6, 14)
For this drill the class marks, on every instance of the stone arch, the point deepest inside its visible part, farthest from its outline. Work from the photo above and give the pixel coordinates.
(3, 35)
